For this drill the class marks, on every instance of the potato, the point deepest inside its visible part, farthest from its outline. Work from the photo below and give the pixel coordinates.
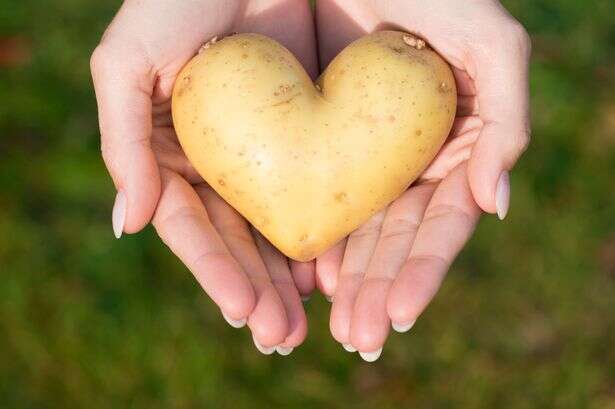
(307, 164)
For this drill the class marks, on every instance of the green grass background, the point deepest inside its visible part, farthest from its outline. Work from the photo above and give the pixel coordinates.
(526, 318)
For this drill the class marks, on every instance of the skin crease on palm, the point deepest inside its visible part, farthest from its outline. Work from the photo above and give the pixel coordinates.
(388, 270)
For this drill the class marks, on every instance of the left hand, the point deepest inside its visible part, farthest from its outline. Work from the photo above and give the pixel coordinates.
(386, 272)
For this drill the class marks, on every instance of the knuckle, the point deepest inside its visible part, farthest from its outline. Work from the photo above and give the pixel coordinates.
(524, 140)
(517, 36)
(507, 36)
(99, 58)
(107, 156)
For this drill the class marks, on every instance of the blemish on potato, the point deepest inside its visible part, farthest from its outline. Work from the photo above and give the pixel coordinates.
(418, 132)
(287, 100)
(391, 118)
(413, 42)
(303, 237)
(340, 196)
(221, 182)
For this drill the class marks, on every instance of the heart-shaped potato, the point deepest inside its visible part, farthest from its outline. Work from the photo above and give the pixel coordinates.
(307, 163)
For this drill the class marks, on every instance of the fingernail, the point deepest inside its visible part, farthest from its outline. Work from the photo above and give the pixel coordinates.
(402, 327)
(263, 349)
(118, 215)
(234, 323)
(329, 298)
(502, 195)
(371, 356)
(349, 348)
(305, 298)
(284, 350)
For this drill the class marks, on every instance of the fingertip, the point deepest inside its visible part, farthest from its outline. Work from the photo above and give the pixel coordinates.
(370, 324)
(268, 321)
(142, 187)
(297, 334)
(304, 276)
(398, 307)
(240, 305)
(339, 325)
(326, 277)
(482, 177)
(327, 269)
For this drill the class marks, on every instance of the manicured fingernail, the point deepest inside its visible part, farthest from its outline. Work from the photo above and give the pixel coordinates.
(402, 327)
(305, 298)
(329, 298)
(349, 348)
(118, 216)
(234, 323)
(283, 350)
(371, 356)
(263, 349)
(502, 195)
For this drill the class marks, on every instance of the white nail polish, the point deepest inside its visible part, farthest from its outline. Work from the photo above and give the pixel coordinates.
(371, 356)
(305, 298)
(402, 327)
(349, 348)
(263, 349)
(234, 323)
(118, 215)
(502, 195)
(284, 350)
(329, 298)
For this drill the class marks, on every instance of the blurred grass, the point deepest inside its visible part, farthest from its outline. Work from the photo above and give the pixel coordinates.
(525, 319)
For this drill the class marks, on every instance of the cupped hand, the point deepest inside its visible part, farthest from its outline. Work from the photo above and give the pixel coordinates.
(388, 270)
(134, 69)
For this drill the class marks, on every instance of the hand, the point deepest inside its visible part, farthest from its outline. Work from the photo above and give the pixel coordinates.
(388, 270)
(134, 69)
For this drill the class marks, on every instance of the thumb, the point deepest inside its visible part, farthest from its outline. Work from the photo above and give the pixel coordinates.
(123, 83)
(501, 81)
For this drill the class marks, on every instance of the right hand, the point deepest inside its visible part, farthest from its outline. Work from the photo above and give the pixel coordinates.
(134, 68)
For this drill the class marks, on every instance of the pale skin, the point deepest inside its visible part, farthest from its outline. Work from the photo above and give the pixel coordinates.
(388, 270)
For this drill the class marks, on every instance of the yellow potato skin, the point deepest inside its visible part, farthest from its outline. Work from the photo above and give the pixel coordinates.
(305, 164)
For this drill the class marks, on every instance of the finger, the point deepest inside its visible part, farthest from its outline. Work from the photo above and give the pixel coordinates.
(328, 268)
(448, 223)
(370, 321)
(503, 96)
(465, 84)
(467, 105)
(123, 86)
(161, 114)
(169, 155)
(268, 321)
(183, 224)
(277, 265)
(456, 150)
(304, 275)
(359, 249)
